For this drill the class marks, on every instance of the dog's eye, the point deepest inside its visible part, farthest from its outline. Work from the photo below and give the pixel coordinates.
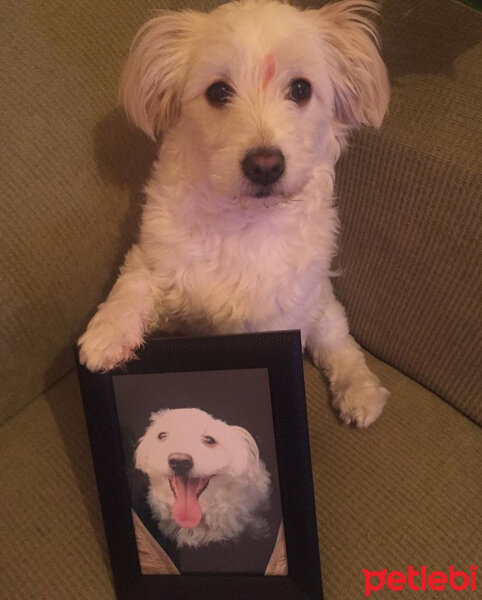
(219, 93)
(210, 441)
(162, 435)
(300, 90)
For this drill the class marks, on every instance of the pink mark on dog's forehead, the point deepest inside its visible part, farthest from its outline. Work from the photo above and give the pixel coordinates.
(269, 68)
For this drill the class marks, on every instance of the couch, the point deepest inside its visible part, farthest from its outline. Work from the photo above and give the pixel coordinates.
(406, 491)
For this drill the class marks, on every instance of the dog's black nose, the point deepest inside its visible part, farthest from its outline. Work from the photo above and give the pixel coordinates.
(180, 463)
(264, 165)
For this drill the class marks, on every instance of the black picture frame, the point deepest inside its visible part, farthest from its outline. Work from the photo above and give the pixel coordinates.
(281, 354)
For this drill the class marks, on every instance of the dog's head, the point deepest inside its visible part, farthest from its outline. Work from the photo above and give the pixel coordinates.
(257, 92)
(188, 447)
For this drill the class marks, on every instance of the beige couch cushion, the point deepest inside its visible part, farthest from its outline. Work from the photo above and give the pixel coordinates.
(410, 205)
(404, 491)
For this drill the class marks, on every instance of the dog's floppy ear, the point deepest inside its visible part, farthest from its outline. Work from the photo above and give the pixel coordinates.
(246, 451)
(152, 80)
(142, 453)
(141, 456)
(357, 72)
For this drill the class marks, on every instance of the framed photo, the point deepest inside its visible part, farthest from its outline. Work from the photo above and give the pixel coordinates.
(202, 459)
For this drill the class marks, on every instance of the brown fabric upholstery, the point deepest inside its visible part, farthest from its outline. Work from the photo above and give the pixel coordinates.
(411, 210)
(153, 560)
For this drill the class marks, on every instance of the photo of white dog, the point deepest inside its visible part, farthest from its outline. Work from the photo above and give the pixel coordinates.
(255, 101)
(206, 480)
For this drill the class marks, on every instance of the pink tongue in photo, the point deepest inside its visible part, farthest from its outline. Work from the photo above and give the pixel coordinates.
(186, 510)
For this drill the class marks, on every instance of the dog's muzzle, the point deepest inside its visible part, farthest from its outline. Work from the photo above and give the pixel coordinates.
(186, 490)
(186, 510)
(263, 166)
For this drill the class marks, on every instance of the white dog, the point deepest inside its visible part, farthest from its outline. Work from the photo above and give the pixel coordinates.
(207, 482)
(255, 101)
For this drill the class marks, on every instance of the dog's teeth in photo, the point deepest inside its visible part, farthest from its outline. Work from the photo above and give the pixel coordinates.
(182, 463)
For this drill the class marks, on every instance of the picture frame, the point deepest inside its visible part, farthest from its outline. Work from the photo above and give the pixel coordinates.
(249, 390)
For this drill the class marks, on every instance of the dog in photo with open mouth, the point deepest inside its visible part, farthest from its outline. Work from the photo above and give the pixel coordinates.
(255, 102)
(206, 480)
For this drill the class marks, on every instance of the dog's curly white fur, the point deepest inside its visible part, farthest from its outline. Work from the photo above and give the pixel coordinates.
(216, 252)
(223, 467)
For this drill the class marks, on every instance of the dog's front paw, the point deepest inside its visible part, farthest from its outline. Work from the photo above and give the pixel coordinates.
(104, 346)
(361, 405)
